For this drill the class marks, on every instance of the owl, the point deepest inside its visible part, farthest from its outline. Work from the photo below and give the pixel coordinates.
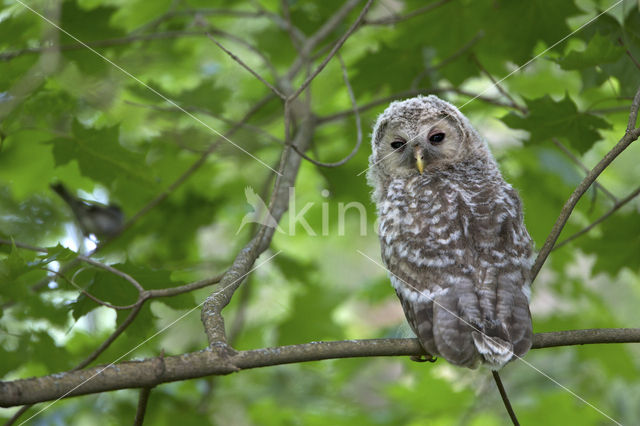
(452, 234)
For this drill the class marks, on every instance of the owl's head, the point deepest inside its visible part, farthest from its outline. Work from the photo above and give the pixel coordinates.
(421, 134)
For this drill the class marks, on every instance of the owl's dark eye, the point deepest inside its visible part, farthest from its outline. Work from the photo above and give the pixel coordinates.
(436, 138)
(397, 144)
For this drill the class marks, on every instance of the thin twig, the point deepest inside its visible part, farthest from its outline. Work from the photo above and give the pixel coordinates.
(116, 333)
(497, 85)
(173, 291)
(112, 270)
(297, 38)
(89, 295)
(407, 94)
(143, 398)
(401, 18)
(630, 136)
(333, 51)
(584, 168)
(354, 104)
(446, 61)
(629, 54)
(171, 108)
(505, 398)
(199, 12)
(248, 68)
(194, 167)
(601, 219)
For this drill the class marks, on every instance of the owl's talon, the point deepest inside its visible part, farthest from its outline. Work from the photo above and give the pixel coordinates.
(424, 358)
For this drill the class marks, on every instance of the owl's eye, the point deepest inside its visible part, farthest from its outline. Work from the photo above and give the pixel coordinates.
(397, 144)
(436, 138)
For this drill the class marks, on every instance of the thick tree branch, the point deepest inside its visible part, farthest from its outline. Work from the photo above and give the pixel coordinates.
(630, 136)
(153, 371)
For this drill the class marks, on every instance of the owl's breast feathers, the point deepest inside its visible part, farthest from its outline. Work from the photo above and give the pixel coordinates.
(459, 256)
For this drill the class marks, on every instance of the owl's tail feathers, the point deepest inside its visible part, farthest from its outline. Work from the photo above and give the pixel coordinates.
(496, 351)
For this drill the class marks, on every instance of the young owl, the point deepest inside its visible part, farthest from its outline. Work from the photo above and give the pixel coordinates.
(452, 234)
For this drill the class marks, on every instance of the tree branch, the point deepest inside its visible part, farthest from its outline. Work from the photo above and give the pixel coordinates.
(630, 136)
(248, 68)
(394, 19)
(407, 94)
(146, 373)
(601, 219)
(505, 398)
(497, 85)
(143, 399)
(333, 51)
(584, 168)
(355, 149)
(245, 125)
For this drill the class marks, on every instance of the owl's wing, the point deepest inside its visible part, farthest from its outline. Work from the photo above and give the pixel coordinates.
(501, 249)
(460, 279)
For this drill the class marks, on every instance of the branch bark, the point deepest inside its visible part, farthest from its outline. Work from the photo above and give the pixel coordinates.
(154, 371)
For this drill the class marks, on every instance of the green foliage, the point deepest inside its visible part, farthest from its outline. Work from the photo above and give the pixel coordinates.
(548, 118)
(74, 117)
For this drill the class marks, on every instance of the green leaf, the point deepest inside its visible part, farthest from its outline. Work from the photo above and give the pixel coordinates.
(618, 245)
(600, 50)
(547, 119)
(100, 155)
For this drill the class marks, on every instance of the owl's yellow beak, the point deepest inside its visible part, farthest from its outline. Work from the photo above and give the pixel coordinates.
(417, 152)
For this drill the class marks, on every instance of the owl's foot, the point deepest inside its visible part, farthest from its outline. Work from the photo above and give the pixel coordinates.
(424, 358)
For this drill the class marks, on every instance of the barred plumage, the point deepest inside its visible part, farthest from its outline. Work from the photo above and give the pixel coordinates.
(451, 234)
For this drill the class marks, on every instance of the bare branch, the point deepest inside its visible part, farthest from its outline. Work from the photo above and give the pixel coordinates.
(353, 152)
(116, 333)
(497, 85)
(580, 164)
(389, 20)
(333, 51)
(172, 291)
(119, 41)
(407, 94)
(6, 56)
(633, 113)
(145, 373)
(199, 13)
(89, 295)
(248, 68)
(143, 398)
(629, 54)
(630, 136)
(505, 398)
(601, 219)
(446, 61)
(193, 168)
(171, 108)
(329, 26)
(278, 204)
(297, 37)
(112, 270)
